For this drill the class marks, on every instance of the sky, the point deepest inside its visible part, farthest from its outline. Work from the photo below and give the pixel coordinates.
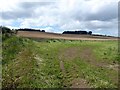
(98, 16)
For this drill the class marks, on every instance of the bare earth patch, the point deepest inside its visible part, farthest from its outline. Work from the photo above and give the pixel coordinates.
(62, 66)
(79, 83)
(69, 53)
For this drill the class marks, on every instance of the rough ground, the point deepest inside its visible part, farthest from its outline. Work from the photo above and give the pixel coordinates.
(60, 63)
(70, 54)
(87, 55)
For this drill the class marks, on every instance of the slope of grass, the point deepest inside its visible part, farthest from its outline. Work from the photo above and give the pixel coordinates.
(37, 64)
(18, 63)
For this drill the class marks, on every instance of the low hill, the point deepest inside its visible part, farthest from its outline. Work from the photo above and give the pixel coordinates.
(63, 36)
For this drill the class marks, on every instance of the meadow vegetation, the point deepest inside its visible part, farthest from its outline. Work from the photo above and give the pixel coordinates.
(52, 63)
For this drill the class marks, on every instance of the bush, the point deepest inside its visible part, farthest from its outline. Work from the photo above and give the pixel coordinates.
(6, 32)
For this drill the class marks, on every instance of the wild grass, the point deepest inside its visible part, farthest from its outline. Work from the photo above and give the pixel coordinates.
(31, 63)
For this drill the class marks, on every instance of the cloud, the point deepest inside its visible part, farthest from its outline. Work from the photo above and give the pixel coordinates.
(96, 15)
(105, 13)
(96, 10)
(96, 24)
(34, 4)
(15, 15)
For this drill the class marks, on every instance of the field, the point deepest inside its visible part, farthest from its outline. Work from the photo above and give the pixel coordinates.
(57, 63)
(49, 35)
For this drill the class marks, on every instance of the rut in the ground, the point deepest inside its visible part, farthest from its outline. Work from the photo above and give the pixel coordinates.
(85, 54)
(70, 54)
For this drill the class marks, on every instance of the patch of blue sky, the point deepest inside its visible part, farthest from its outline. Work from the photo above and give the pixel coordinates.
(15, 24)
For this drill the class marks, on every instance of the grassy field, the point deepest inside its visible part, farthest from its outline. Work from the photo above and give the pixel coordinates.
(44, 63)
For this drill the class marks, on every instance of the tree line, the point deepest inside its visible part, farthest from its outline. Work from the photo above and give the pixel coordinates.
(78, 32)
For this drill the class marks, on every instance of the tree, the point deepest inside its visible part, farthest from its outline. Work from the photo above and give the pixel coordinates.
(5, 30)
(43, 30)
(90, 32)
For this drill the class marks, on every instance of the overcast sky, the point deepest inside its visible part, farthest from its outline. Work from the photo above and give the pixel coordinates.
(98, 16)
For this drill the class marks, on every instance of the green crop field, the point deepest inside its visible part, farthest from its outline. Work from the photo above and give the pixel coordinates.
(49, 63)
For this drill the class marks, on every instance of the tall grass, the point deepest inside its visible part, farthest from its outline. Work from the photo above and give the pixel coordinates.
(31, 63)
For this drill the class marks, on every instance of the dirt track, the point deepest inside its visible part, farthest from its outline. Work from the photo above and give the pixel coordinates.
(62, 36)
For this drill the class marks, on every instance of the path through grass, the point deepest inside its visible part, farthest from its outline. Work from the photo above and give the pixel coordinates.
(60, 63)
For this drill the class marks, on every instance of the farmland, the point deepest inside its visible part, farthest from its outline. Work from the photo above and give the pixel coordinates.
(49, 35)
(59, 63)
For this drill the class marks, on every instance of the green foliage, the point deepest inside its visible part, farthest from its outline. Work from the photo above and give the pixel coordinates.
(11, 48)
(17, 59)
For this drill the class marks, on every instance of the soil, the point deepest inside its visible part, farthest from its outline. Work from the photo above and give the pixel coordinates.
(69, 53)
(62, 66)
(79, 83)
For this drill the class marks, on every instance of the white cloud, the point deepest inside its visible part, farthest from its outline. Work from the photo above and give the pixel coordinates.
(96, 15)
(48, 29)
(6, 22)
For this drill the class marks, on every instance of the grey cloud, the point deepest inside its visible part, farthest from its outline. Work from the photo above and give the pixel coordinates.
(25, 10)
(15, 14)
(27, 5)
(105, 13)
(101, 24)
